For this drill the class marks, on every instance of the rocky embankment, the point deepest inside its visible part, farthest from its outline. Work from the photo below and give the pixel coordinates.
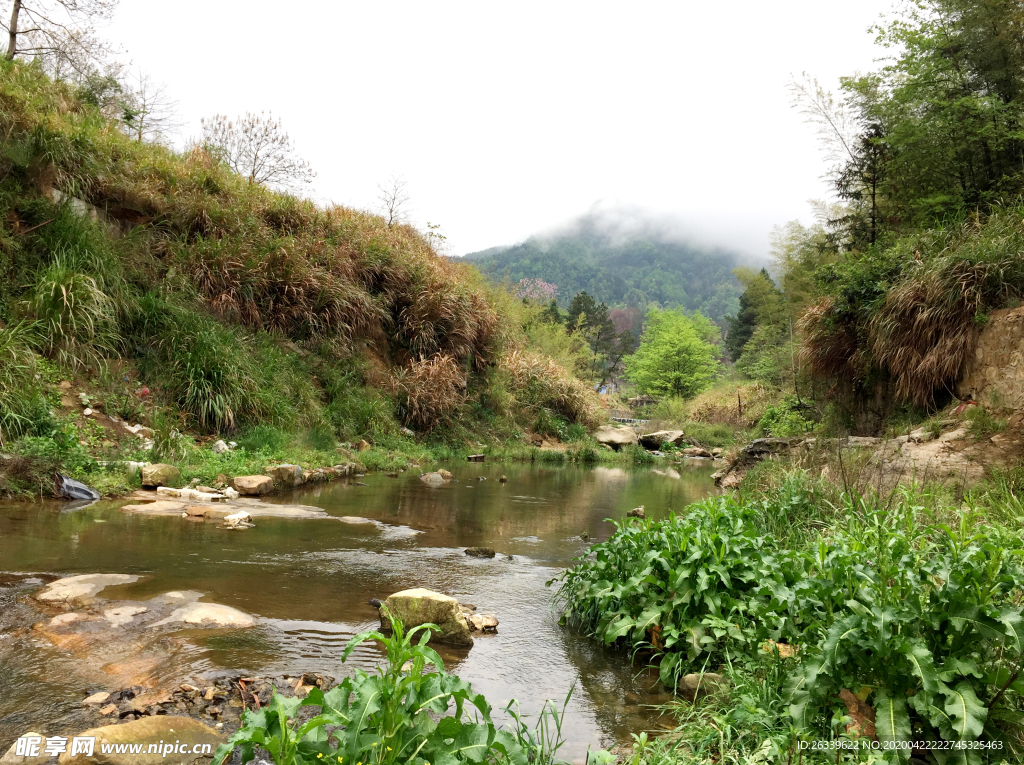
(618, 436)
(945, 450)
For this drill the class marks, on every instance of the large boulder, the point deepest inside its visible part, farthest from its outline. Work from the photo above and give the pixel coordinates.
(286, 476)
(160, 475)
(615, 437)
(421, 606)
(181, 733)
(655, 440)
(252, 485)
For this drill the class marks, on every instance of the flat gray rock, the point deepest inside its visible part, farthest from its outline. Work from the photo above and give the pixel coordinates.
(81, 588)
(208, 615)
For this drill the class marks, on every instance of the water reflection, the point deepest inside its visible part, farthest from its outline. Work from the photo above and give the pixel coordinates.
(309, 581)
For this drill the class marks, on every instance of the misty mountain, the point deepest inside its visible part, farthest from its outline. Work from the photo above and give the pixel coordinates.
(624, 267)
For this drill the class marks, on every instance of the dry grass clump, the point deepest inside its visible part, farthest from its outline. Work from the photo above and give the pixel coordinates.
(273, 262)
(538, 381)
(830, 349)
(429, 392)
(721, 405)
(919, 318)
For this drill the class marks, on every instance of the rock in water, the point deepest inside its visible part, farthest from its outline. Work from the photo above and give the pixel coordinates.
(696, 451)
(482, 622)
(445, 474)
(433, 479)
(480, 552)
(168, 729)
(81, 588)
(695, 685)
(615, 437)
(208, 615)
(637, 512)
(288, 476)
(252, 485)
(421, 606)
(160, 475)
(240, 519)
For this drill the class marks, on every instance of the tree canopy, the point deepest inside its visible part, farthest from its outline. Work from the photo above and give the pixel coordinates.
(676, 356)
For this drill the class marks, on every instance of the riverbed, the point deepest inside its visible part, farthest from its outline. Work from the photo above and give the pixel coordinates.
(308, 582)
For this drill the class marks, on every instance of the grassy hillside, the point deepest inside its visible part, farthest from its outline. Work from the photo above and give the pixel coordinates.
(179, 294)
(621, 271)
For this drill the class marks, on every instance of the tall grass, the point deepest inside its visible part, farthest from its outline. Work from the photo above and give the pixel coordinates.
(539, 382)
(219, 376)
(75, 319)
(17, 386)
(429, 392)
(915, 311)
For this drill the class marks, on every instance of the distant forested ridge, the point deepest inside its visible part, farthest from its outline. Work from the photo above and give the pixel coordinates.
(630, 272)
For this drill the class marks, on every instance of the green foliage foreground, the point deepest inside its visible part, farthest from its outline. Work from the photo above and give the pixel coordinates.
(410, 711)
(886, 600)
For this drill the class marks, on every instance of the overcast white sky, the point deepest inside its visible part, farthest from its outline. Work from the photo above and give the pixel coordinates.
(507, 119)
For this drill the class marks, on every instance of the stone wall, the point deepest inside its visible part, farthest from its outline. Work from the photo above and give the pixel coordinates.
(996, 373)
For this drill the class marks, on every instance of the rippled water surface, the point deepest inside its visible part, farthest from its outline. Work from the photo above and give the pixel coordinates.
(308, 581)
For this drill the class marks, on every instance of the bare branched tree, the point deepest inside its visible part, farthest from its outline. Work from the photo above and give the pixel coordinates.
(394, 200)
(438, 241)
(61, 33)
(258, 148)
(148, 111)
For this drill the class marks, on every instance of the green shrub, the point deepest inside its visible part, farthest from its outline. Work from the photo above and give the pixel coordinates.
(402, 714)
(678, 587)
(265, 439)
(982, 423)
(785, 419)
(354, 408)
(59, 451)
(926, 618)
(930, 624)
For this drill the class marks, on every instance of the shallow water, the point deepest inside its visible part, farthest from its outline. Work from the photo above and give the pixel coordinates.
(308, 581)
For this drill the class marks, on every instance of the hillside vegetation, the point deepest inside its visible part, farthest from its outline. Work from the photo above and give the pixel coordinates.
(202, 302)
(626, 272)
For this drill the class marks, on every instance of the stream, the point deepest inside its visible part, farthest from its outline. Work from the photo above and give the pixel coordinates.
(308, 582)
